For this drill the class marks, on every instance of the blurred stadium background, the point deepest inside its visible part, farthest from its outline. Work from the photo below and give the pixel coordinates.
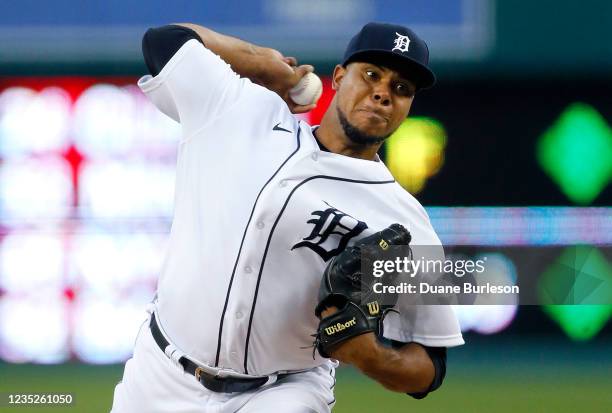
(511, 151)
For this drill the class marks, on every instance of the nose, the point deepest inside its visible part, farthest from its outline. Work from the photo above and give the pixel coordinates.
(382, 97)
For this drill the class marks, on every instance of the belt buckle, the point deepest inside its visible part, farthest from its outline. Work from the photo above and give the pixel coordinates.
(199, 372)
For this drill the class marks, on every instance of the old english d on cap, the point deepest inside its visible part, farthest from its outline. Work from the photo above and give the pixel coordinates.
(394, 46)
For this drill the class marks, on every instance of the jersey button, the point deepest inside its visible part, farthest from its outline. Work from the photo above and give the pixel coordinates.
(239, 315)
(314, 156)
(248, 269)
(282, 183)
(260, 225)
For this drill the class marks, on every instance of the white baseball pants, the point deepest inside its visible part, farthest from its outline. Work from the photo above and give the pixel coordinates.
(154, 384)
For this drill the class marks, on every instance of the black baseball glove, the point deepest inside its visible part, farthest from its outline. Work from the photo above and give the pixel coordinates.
(343, 286)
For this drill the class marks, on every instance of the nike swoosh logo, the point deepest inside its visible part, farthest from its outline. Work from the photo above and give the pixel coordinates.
(277, 127)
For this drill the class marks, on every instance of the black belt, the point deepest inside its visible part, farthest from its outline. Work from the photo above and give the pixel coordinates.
(211, 382)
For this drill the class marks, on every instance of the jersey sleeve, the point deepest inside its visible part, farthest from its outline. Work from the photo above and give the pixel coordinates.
(194, 87)
(429, 325)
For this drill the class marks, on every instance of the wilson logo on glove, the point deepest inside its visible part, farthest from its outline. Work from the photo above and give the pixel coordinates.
(331, 330)
(373, 308)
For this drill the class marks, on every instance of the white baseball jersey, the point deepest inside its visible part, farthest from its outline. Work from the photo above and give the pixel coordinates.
(259, 211)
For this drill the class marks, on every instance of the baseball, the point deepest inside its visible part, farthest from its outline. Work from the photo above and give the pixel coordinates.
(307, 91)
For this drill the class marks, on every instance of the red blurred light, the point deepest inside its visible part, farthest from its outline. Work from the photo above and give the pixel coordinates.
(74, 159)
(69, 294)
(73, 85)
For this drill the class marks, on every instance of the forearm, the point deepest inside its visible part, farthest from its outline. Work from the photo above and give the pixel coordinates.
(262, 65)
(406, 370)
(246, 59)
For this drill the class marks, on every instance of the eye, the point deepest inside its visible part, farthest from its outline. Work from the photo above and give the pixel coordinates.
(371, 74)
(403, 89)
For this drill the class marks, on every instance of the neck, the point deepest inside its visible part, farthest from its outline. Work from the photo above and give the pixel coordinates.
(331, 135)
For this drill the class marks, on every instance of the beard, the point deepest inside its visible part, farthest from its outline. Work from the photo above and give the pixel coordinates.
(357, 136)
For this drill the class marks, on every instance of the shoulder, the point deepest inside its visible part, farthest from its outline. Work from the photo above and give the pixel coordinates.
(256, 104)
(410, 203)
(415, 217)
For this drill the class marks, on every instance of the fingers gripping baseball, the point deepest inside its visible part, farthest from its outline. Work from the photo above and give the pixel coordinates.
(290, 60)
(281, 74)
(306, 91)
(301, 71)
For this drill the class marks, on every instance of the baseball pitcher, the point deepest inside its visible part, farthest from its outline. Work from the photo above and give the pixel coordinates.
(258, 298)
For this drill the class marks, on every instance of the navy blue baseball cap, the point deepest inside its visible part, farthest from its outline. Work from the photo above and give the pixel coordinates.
(393, 46)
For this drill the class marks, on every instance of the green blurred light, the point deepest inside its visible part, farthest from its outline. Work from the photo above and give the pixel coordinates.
(578, 290)
(580, 322)
(576, 152)
(581, 275)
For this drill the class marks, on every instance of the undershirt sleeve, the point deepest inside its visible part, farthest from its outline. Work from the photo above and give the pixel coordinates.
(438, 358)
(161, 43)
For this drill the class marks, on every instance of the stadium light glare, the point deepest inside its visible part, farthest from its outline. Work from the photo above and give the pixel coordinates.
(31, 261)
(34, 122)
(487, 318)
(578, 288)
(415, 152)
(576, 152)
(34, 189)
(112, 121)
(34, 328)
(580, 322)
(103, 121)
(105, 330)
(112, 264)
(121, 189)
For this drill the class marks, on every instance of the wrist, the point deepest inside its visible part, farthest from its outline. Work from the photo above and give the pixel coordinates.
(256, 56)
(361, 350)
(329, 311)
(264, 67)
(367, 352)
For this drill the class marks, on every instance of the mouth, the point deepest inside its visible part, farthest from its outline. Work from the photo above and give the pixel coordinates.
(373, 114)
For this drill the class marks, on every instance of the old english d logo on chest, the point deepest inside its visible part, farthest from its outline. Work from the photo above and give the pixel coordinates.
(332, 231)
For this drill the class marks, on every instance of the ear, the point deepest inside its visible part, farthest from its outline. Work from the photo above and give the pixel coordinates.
(339, 73)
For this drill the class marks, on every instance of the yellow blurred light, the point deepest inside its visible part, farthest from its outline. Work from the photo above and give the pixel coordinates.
(415, 152)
